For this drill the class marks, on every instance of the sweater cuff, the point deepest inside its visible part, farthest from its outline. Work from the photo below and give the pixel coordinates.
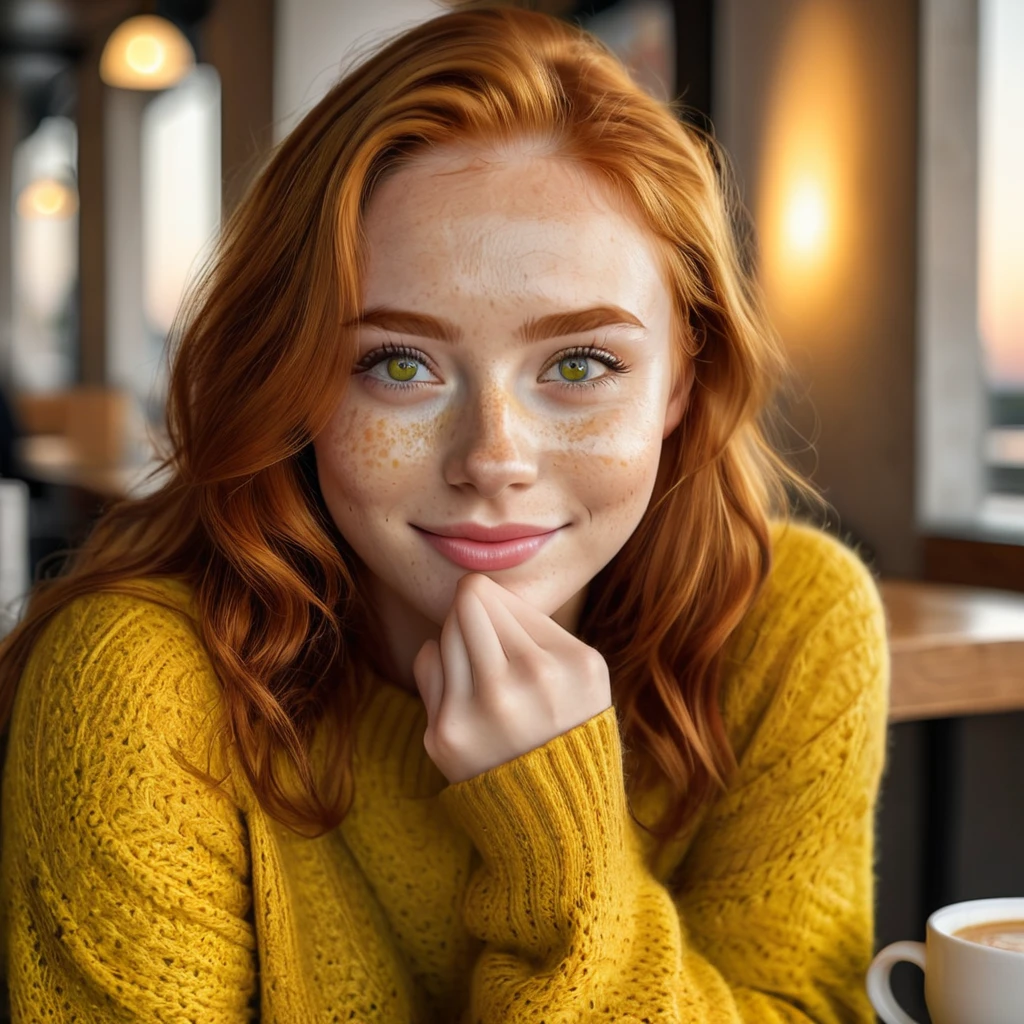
(552, 823)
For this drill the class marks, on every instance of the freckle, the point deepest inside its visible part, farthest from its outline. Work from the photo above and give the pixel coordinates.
(368, 434)
(624, 463)
(394, 463)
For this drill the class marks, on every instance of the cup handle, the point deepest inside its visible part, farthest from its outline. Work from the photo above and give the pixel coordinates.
(879, 986)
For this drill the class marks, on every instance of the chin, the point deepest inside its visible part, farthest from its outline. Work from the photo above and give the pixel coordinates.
(556, 605)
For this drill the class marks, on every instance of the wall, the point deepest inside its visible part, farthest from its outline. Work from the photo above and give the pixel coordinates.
(238, 40)
(315, 40)
(844, 74)
(833, 83)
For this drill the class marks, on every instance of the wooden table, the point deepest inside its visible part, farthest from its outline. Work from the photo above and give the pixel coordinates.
(956, 651)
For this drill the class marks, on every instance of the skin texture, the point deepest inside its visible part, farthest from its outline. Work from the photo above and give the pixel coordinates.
(490, 430)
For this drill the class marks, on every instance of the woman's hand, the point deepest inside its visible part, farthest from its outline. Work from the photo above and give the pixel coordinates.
(505, 679)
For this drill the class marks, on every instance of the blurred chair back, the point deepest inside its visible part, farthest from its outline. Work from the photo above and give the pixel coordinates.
(93, 421)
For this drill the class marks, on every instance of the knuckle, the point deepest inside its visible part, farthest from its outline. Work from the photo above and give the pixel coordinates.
(536, 666)
(448, 737)
(595, 668)
(472, 583)
(500, 702)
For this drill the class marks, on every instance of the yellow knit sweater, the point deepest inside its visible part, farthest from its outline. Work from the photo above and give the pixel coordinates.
(132, 892)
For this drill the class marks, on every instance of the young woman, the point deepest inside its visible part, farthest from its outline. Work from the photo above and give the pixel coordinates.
(466, 665)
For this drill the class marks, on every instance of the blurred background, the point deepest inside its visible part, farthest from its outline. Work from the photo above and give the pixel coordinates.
(879, 149)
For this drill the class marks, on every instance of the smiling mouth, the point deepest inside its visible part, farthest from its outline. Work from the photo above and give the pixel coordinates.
(487, 556)
(490, 534)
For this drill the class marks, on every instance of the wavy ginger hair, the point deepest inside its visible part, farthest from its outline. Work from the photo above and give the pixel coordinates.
(261, 357)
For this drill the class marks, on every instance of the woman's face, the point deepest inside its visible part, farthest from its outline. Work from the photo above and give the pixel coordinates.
(528, 380)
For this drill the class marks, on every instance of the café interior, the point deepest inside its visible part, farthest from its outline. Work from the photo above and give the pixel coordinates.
(875, 152)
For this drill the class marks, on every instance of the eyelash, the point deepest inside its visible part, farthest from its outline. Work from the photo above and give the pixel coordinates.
(613, 362)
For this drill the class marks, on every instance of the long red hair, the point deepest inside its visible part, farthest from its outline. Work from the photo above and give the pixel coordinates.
(261, 359)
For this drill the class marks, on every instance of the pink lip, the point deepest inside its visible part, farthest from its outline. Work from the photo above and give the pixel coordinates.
(490, 534)
(485, 556)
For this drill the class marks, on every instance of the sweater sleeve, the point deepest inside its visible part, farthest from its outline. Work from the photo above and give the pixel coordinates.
(770, 915)
(125, 878)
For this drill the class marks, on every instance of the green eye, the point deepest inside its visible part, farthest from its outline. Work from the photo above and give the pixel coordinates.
(401, 368)
(573, 368)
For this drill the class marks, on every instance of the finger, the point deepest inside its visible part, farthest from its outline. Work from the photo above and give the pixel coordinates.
(538, 626)
(429, 676)
(486, 654)
(458, 674)
(515, 640)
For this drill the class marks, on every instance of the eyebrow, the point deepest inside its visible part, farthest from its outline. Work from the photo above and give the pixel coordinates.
(553, 325)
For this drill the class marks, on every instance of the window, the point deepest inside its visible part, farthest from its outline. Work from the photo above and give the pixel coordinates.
(971, 296)
(44, 239)
(181, 187)
(1001, 248)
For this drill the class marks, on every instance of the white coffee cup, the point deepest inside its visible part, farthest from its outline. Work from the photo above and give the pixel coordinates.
(964, 982)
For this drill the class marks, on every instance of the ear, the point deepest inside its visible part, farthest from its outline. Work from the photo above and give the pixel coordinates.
(678, 400)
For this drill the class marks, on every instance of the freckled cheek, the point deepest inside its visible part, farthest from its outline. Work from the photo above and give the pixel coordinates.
(603, 482)
(363, 451)
(608, 463)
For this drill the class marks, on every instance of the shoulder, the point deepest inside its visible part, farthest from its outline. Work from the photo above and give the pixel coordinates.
(144, 629)
(816, 583)
(121, 669)
(812, 644)
(134, 869)
(130, 608)
(816, 572)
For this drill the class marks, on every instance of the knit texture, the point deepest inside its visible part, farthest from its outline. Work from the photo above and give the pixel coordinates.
(131, 891)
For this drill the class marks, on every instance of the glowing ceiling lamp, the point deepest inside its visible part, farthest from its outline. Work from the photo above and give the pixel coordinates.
(146, 52)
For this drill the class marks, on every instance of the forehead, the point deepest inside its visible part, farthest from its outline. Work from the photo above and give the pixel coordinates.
(465, 218)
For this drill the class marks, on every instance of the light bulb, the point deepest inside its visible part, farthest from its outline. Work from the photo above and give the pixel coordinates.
(145, 55)
(47, 199)
(146, 52)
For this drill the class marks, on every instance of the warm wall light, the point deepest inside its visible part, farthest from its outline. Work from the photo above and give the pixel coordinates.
(807, 220)
(814, 143)
(146, 52)
(47, 199)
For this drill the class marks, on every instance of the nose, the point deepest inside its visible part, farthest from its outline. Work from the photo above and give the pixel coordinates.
(491, 447)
